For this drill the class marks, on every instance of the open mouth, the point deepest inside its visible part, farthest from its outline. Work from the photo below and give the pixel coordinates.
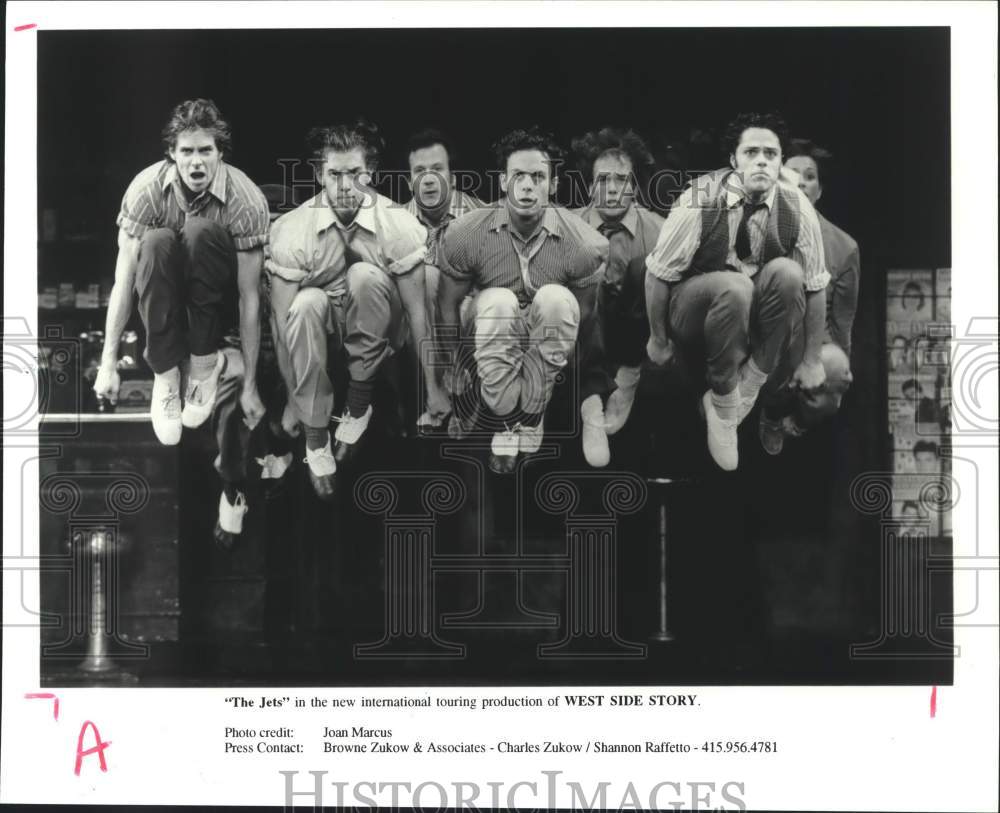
(197, 176)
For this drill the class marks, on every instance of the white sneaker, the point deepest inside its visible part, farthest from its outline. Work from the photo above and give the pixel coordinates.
(506, 443)
(199, 396)
(529, 438)
(350, 429)
(722, 443)
(621, 400)
(320, 461)
(165, 409)
(231, 516)
(595, 438)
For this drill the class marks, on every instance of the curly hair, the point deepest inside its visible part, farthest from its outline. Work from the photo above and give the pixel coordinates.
(195, 114)
(534, 138)
(744, 121)
(613, 141)
(428, 137)
(361, 135)
(810, 149)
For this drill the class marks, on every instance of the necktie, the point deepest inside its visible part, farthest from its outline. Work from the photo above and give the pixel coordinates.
(743, 250)
(618, 252)
(351, 256)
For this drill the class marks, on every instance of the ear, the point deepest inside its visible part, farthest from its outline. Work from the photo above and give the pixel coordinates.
(503, 182)
(819, 192)
(732, 160)
(553, 185)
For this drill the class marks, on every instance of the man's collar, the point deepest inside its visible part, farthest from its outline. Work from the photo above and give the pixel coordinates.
(550, 221)
(364, 217)
(455, 209)
(216, 190)
(735, 194)
(630, 220)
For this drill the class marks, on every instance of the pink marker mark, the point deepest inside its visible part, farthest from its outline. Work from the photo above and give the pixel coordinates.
(97, 749)
(934, 702)
(46, 696)
(27, 27)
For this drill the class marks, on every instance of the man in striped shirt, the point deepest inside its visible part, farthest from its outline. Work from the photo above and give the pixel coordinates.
(616, 162)
(435, 203)
(348, 263)
(738, 268)
(535, 268)
(189, 228)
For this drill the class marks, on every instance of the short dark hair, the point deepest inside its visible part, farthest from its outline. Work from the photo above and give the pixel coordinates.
(361, 135)
(925, 446)
(197, 114)
(428, 137)
(744, 121)
(534, 138)
(613, 141)
(803, 146)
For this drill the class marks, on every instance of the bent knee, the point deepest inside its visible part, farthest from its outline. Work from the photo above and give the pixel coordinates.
(157, 241)
(199, 229)
(309, 303)
(734, 291)
(557, 301)
(496, 302)
(365, 277)
(785, 273)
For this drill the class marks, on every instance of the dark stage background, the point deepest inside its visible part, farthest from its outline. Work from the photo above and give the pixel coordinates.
(877, 98)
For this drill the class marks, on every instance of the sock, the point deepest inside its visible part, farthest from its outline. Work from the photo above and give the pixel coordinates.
(317, 438)
(727, 406)
(202, 366)
(752, 378)
(359, 396)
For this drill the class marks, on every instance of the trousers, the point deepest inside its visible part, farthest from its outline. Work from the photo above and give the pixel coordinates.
(725, 316)
(367, 324)
(183, 280)
(520, 351)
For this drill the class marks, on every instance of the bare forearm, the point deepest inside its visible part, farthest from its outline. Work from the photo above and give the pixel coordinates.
(250, 265)
(413, 293)
(815, 324)
(120, 301)
(657, 302)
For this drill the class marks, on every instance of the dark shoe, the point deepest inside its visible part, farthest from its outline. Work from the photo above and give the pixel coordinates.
(503, 451)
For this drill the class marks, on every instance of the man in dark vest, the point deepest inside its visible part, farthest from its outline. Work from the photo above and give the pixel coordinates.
(737, 270)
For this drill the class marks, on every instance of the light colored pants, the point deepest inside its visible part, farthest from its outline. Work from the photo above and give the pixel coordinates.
(520, 351)
(368, 321)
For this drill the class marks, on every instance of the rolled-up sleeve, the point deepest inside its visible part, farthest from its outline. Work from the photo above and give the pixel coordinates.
(808, 251)
(249, 220)
(142, 207)
(679, 239)
(405, 245)
(454, 251)
(285, 257)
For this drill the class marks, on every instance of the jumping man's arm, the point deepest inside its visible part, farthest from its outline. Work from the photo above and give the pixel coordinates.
(119, 310)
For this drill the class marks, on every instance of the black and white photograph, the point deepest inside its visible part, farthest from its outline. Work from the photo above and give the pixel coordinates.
(456, 369)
